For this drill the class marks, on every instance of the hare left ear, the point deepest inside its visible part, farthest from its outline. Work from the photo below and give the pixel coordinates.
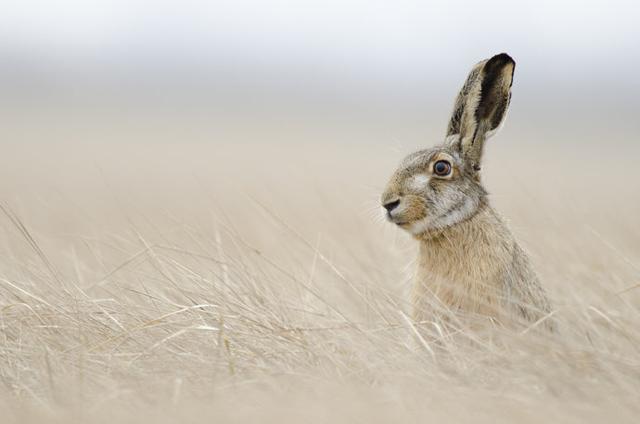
(481, 106)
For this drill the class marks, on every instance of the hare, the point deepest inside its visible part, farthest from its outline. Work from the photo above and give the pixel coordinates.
(469, 263)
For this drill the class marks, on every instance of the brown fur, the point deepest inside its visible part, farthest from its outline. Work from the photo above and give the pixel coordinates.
(469, 263)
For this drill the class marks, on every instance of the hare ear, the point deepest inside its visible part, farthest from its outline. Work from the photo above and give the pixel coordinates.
(481, 106)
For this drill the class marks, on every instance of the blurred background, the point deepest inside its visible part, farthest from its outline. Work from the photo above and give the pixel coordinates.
(160, 99)
(348, 71)
(159, 156)
(156, 99)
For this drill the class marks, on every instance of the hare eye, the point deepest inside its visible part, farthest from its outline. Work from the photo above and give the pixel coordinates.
(442, 168)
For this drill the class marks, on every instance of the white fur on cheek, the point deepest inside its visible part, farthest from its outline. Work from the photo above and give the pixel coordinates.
(418, 182)
(457, 215)
(419, 227)
(453, 217)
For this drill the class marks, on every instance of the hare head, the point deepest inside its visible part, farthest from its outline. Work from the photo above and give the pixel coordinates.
(440, 187)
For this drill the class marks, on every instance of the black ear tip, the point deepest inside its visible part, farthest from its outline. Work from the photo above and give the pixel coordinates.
(501, 60)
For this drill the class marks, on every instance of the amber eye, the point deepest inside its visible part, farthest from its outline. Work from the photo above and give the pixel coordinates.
(442, 168)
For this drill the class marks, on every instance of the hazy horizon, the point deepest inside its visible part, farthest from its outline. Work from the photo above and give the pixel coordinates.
(395, 65)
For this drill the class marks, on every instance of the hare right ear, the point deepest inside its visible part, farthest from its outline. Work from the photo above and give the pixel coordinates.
(481, 106)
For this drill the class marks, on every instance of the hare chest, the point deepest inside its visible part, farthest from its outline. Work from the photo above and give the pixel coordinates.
(437, 295)
(463, 277)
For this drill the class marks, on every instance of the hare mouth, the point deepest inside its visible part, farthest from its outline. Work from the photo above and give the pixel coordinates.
(402, 223)
(411, 225)
(395, 220)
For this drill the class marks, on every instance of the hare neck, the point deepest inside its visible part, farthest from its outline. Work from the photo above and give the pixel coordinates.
(474, 248)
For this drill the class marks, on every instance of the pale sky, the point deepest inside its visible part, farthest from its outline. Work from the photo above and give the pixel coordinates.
(354, 61)
(585, 54)
(386, 35)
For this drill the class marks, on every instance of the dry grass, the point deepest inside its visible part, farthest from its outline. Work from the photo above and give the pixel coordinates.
(172, 282)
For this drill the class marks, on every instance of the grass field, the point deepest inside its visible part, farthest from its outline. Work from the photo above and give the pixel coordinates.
(259, 283)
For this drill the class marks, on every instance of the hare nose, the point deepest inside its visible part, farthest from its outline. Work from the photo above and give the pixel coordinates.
(391, 205)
